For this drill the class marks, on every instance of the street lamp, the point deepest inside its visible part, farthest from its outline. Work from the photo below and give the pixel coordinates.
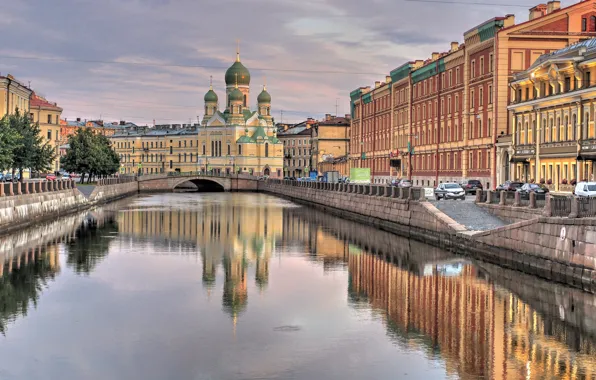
(410, 153)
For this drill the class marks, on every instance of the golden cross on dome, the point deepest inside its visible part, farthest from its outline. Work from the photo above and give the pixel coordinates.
(238, 50)
(265, 83)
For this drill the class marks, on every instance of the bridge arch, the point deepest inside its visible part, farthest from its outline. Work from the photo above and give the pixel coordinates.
(202, 184)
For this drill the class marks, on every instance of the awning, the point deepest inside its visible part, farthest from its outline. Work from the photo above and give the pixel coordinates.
(590, 156)
(522, 159)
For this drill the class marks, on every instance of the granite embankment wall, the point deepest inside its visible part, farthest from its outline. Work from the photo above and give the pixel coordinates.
(561, 249)
(33, 206)
(405, 217)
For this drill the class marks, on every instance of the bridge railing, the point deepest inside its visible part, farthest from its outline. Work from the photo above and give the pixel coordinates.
(116, 180)
(414, 193)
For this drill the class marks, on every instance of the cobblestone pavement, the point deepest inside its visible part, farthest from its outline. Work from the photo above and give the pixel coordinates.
(468, 214)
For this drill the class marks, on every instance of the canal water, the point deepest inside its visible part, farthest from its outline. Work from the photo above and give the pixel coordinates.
(249, 286)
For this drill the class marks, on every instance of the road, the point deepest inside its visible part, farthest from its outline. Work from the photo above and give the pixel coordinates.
(466, 213)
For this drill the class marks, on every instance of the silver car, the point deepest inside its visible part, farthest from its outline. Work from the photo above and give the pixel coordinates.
(450, 191)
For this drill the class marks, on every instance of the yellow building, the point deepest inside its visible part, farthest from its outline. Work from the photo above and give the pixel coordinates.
(47, 114)
(13, 95)
(331, 140)
(165, 148)
(238, 139)
(552, 113)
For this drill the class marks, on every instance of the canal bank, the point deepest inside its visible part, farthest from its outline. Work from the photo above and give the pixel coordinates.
(559, 249)
(28, 203)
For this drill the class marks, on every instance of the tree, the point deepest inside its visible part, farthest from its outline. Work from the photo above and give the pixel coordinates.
(9, 141)
(31, 150)
(90, 155)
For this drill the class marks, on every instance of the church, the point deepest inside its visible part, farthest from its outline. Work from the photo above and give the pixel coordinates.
(237, 139)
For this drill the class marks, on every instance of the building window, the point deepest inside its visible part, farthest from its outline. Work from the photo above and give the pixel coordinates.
(587, 79)
(240, 150)
(481, 96)
(490, 94)
(49, 119)
(490, 63)
(473, 69)
(567, 84)
(49, 134)
(457, 75)
(472, 99)
(171, 150)
(481, 65)
(584, 24)
(229, 150)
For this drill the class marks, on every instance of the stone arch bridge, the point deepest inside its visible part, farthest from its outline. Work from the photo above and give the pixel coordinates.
(168, 182)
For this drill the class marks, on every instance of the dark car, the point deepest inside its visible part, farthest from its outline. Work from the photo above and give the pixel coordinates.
(539, 190)
(510, 186)
(471, 185)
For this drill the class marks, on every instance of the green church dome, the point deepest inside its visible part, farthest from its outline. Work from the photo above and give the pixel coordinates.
(236, 95)
(211, 96)
(264, 97)
(243, 74)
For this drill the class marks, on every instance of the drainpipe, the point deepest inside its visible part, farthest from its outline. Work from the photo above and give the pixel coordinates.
(8, 95)
(439, 84)
(495, 113)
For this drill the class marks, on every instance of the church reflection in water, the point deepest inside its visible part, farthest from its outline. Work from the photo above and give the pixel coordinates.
(235, 234)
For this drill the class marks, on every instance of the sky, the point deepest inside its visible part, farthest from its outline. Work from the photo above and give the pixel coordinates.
(146, 60)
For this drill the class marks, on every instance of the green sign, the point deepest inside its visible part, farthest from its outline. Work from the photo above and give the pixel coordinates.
(140, 166)
(363, 155)
(360, 175)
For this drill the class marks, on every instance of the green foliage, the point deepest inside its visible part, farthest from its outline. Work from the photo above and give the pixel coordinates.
(90, 154)
(22, 146)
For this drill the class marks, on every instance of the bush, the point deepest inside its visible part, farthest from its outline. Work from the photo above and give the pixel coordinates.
(564, 181)
(574, 182)
(549, 182)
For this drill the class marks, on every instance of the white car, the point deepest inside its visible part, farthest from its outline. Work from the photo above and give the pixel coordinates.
(585, 189)
(450, 191)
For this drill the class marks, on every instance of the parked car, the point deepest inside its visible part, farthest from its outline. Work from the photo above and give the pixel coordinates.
(404, 183)
(585, 189)
(9, 178)
(450, 191)
(470, 185)
(50, 177)
(539, 190)
(510, 186)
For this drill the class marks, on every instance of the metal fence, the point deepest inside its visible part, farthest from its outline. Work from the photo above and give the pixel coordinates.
(586, 207)
(560, 205)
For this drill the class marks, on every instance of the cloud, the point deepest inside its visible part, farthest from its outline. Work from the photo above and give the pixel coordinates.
(167, 50)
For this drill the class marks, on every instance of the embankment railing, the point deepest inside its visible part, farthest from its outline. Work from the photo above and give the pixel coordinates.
(566, 206)
(8, 189)
(414, 193)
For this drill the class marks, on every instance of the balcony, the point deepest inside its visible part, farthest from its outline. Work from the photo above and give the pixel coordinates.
(587, 150)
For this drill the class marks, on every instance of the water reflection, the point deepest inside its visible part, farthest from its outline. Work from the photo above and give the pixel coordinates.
(470, 320)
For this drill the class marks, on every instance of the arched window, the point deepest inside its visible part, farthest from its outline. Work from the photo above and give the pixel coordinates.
(573, 127)
(593, 23)
(229, 149)
(244, 100)
(266, 150)
(240, 150)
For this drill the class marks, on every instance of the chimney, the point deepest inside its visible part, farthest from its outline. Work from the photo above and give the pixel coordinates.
(388, 79)
(435, 56)
(78, 119)
(552, 6)
(509, 21)
(122, 122)
(377, 84)
(327, 117)
(454, 46)
(418, 63)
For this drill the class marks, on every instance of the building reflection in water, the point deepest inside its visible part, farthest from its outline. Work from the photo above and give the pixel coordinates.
(483, 321)
(239, 232)
(29, 258)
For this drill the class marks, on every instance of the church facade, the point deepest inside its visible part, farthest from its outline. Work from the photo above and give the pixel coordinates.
(238, 139)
